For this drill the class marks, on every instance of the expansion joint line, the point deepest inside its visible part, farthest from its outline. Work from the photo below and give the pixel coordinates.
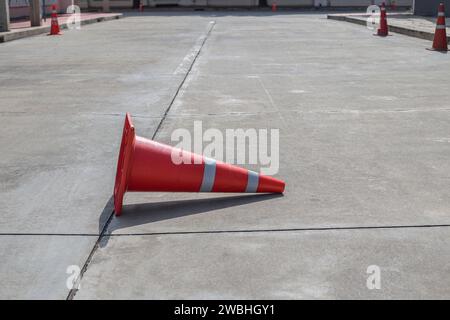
(73, 291)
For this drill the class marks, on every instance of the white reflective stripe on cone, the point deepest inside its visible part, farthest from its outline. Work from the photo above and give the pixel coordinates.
(209, 175)
(441, 14)
(252, 182)
(440, 27)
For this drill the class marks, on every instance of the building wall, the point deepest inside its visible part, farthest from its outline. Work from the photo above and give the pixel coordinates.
(366, 3)
(430, 7)
(292, 3)
(20, 8)
(183, 3)
(232, 3)
(251, 3)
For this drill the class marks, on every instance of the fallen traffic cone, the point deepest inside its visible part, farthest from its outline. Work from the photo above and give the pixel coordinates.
(54, 30)
(146, 165)
(440, 35)
(383, 29)
(274, 6)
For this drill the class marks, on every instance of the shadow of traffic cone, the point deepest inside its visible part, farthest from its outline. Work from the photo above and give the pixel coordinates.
(274, 6)
(146, 165)
(54, 29)
(383, 29)
(440, 35)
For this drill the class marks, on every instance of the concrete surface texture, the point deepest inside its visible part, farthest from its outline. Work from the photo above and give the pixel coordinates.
(364, 147)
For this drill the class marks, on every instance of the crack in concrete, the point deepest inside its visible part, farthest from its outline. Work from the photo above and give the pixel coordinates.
(205, 38)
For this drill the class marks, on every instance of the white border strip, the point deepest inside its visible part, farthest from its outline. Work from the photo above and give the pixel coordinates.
(209, 175)
(252, 182)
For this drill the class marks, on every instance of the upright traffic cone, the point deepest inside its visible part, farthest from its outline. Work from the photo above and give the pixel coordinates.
(141, 6)
(393, 5)
(54, 30)
(440, 35)
(383, 29)
(146, 165)
(274, 6)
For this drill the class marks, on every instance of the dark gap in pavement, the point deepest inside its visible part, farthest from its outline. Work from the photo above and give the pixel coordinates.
(419, 226)
(210, 28)
(103, 222)
(281, 230)
(108, 213)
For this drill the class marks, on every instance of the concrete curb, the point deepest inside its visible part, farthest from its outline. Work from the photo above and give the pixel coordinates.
(426, 35)
(14, 35)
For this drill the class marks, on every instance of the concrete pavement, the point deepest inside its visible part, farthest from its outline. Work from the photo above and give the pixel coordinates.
(272, 265)
(62, 113)
(364, 143)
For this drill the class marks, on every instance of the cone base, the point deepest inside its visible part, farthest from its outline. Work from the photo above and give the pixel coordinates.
(123, 164)
(382, 35)
(438, 50)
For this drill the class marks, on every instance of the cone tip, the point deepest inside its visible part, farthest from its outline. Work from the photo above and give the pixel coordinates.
(271, 185)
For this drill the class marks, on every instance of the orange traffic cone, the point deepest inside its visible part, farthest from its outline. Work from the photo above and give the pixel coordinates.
(141, 6)
(440, 36)
(393, 5)
(274, 6)
(54, 30)
(383, 29)
(146, 165)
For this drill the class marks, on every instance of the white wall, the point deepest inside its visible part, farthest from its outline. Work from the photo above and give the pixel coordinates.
(20, 8)
(249, 3)
(233, 3)
(364, 3)
(292, 3)
(338, 3)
